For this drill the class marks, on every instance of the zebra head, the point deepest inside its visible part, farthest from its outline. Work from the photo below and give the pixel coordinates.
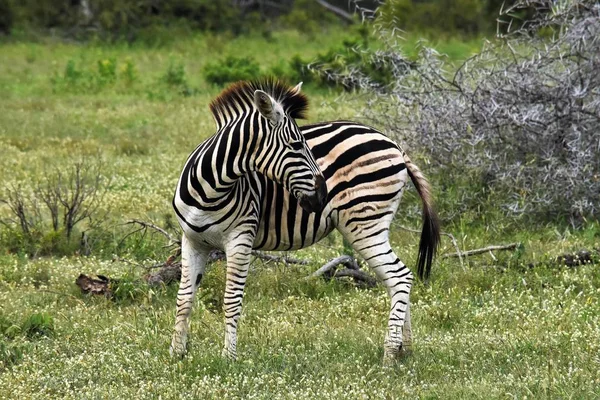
(286, 157)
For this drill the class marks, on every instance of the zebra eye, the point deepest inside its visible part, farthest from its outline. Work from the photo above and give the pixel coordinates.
(297, 145)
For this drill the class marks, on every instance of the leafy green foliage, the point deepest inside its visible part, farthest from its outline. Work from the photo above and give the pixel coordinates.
(37, 325)
(130, 289)
(81, 78)
(307, 17)
(10, 353)
(443, 17)
(175, 75)
(6, 17)
(339, 65)
(231, 69)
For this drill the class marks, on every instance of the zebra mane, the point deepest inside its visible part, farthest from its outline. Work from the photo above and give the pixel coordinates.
(294, 104)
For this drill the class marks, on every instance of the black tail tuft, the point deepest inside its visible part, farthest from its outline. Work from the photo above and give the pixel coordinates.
(430, 235)
(430, 239)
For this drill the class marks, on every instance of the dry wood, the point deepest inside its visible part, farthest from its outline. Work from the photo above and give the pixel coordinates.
(473, 252)
(346, 16)
(98, 285)
(358, 275)
(345, 259)
(146, 225)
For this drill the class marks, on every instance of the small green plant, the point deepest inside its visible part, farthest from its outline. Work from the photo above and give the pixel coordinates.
(175, 75)
(129, 72)
(77, 78)
(232, 69)
(107, 71)
(130, 289)
(10, 354)
(8, 329)
(72, 74)
(37, 325)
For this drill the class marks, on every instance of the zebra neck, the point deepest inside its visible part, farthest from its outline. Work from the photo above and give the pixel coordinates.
(226, 157)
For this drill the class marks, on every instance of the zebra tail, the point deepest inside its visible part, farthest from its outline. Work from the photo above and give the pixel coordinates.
(430, 234)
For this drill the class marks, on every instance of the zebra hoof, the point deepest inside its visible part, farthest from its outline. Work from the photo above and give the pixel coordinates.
(405, 351)
(391, 356)
(177, 353)
(177, 348)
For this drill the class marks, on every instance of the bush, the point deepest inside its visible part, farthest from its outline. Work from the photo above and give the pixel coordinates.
(114, 19)
(348, 65)
(232, 69)
(106, 73)
(307, 16)
(517, 124)
(175, 75)
(44, 219)
(445, 17)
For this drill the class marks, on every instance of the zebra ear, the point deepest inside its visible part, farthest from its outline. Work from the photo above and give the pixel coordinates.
(297, 88)
(268, 107)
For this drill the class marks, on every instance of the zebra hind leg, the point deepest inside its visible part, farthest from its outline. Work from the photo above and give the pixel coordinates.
(193, 262)
(397, 279)
(406, 335)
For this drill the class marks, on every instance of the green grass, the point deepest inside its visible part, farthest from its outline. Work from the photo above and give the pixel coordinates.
(495, 329)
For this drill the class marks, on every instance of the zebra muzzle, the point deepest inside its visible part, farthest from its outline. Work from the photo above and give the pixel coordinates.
(316, 201)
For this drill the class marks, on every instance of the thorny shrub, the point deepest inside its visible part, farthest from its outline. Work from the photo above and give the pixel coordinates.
(516, 124)
(43, 219)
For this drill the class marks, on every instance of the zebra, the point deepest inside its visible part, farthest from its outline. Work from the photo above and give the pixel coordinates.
(261, 182)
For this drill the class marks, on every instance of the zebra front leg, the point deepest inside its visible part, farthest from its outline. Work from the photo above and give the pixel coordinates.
(193, 262)
(238, 261)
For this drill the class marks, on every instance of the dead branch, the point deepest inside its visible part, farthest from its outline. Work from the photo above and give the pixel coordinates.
(169, 272)
(358, 275)
(346, 16)
(346, 260)
(145, 225)
(284, 259)
(473, 252)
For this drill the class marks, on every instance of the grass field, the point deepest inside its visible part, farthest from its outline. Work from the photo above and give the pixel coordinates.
(516, 325)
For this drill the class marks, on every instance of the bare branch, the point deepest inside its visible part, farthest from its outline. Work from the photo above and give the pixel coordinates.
(145, 225)
(347, 260)
(284, 259)
(516, 124)
(357, 275)
(473, 252)
(346, 16)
